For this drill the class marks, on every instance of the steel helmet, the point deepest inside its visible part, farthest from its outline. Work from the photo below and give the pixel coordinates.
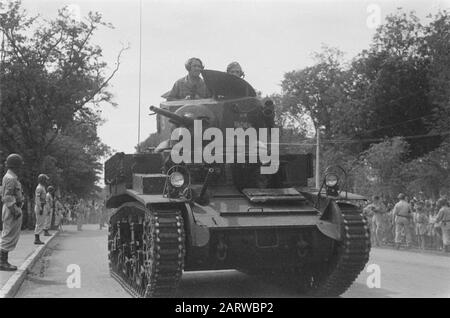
(188, 63)
(14, 161)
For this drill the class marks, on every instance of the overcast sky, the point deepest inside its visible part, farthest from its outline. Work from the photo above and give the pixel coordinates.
(268, 38)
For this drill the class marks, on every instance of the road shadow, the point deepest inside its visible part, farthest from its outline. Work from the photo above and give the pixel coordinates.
(360, 290)
(233, 284)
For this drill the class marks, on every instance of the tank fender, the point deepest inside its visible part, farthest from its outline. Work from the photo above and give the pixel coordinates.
(199, 234)
(330, 220)
(116, 201)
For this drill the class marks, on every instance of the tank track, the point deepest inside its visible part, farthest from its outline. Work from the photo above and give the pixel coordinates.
(146, 250)
(351, 256)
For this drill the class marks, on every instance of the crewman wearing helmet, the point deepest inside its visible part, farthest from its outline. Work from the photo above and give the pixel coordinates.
(39, 207)
(234, 68)
(191, 86)
(12, 198)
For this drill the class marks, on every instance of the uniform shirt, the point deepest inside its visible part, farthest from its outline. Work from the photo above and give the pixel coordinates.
(443, 215)
(188, 87)
(11, 190)
(49, 201)
(40, 196)
(402, 209)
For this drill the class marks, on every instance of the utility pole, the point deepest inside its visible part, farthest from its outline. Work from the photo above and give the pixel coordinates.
(140, 75)
(317, 158)
(2, 60)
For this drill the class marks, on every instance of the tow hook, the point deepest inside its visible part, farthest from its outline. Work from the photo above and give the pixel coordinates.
(302, 247)
(221, 249)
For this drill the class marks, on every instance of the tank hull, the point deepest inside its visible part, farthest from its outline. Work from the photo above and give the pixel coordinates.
(286, 245)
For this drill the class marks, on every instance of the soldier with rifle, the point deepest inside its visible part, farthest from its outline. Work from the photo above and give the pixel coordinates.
(12, 199)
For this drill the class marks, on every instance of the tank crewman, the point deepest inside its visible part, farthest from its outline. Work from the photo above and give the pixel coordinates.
(402, 215)
(443, 218)
(191, 86)
(234, 68)
(39, 207)
(12, 198)
(49, 209)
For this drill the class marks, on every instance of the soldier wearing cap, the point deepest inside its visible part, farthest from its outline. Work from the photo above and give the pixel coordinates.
(443, 218)
(191, 86)
(403, 216)
(12, 198)
(49, 208)
(39, 207)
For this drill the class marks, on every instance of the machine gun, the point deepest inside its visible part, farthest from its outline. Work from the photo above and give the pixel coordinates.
(176, 119)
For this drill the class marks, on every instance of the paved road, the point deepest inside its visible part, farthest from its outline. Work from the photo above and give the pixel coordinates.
(402, 274)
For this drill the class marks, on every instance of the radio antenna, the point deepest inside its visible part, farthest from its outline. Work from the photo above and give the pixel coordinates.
(140, 68)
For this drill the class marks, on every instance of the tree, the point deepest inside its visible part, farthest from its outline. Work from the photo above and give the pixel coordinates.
(437, 39)
(52, 78)
(393, 84)
(315, 90)
(378, 170)
(429, 173)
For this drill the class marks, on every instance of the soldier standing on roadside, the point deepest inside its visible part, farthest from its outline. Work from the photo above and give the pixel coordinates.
(403, 216)
(12, 198)
(443, 218)
(39, 207)
(49, 209)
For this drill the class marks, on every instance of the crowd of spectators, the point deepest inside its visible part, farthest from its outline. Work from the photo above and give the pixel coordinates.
(423, 227)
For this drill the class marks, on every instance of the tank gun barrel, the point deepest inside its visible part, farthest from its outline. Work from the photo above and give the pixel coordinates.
(177, 119)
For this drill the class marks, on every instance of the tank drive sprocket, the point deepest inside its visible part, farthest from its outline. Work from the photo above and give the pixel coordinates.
(332, 276)
(146, 249)
(349, 257)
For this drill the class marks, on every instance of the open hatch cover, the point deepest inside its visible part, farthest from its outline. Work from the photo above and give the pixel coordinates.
(257, 195)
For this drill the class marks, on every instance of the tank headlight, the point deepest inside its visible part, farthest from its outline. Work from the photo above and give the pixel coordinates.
(176, 179)
(331, 180)
(189, 115)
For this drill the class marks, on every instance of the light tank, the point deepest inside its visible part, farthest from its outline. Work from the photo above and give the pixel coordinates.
(201, 215)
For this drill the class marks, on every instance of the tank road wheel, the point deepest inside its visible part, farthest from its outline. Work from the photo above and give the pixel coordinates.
(146, 249)
(333, 278)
